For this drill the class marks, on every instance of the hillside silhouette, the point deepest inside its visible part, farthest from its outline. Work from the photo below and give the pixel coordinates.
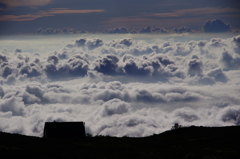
(187, 143)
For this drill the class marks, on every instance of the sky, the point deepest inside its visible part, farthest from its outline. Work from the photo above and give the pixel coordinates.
(141, 67)
(27, 16)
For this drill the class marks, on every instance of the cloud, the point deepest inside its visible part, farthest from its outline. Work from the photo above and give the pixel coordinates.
(51, 12)
(236, 41)
(1, 92)
(182, 30)
(195, 12)
(91, 44)
(131, 85)
(107, 65)
(2, 6)
(18, 51)
(121, 42)
(231, 114)
(3, 58)
(229, 62)
(121, 30)
(17, 3)
(148, 29)
(187, 114)
(216, 25)
(7, 71)
(94, 43)
(73, 67)
(13, 104)
(217, 74)
(195, 67)
(114, 106)
(56, 31)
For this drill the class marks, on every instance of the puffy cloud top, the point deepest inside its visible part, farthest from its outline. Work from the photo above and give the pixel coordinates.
(195, 67)
(182, 30)
(216, 25)
(124, 86)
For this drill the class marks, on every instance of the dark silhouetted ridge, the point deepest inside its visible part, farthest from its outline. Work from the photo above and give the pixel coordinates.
(187, 143)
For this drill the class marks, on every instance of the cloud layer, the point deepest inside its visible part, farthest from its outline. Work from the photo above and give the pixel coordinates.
(122, 86)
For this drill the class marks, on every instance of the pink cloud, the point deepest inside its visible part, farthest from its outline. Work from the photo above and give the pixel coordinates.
(196, 12)
(17, 3)
(52, 12)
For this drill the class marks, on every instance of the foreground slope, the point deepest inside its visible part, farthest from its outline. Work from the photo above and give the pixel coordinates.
(189, 143)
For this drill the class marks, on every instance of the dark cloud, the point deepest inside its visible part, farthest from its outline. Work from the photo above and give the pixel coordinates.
(236, 41)
(115, 106)
(23, 57)
(1, 92)
(14, 105)
(7, 71)
(218, 75)
(94, 43)
(231, 114)
(229, 62)
(80, 42)
(182, 30)
(202, 43)
(148, 97)
(88, 43)
(31, 71)
(156, 66)
(159, 30)
(186, 114)
(35, 90)
(3, 59)
(217, 42)
(50, 31)
(75, 66)
(140, 67)
(216, 25)
(146, 30)
(195, 67)
(121, 30)
(164, 60)
(3, 6)
(126, 42)
(107, 65)
(62, 55)
(53, 59)
(119, 42)
(18, 51)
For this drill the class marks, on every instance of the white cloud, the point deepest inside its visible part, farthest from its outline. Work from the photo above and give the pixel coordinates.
(123, 86)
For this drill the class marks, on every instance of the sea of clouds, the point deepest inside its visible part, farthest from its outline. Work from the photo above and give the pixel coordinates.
(119, 85)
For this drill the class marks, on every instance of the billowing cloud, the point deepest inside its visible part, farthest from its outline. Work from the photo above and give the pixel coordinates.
(50, 31)
(148, 29)
(182, 30)
(88, 43)
(195, 67)
(216, 25)
(128, 85)
(107, 65)
(229, 62)
(121, 30)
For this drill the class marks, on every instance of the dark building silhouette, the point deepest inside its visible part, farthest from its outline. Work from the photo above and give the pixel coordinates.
(64, 130)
